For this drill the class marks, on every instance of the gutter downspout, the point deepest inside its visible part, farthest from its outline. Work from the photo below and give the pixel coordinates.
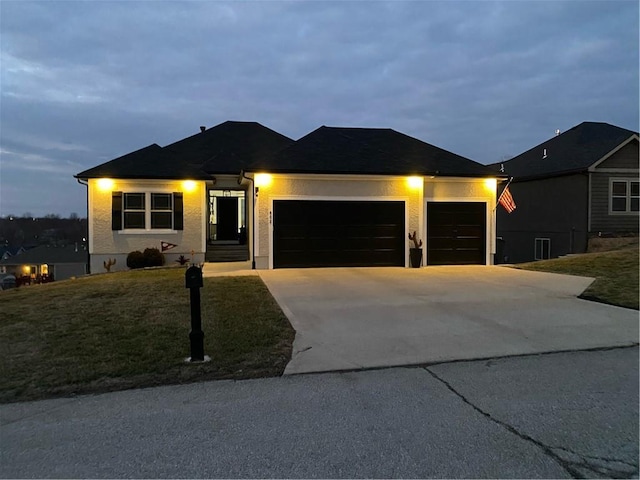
(86, 184)
(253, 217)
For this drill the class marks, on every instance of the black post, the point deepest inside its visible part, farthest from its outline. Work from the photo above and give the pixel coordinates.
(193, 281)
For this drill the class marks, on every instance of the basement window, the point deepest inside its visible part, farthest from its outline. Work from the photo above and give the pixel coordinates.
(542, 248)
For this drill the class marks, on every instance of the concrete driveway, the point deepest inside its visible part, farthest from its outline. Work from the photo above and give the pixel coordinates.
(352, 318)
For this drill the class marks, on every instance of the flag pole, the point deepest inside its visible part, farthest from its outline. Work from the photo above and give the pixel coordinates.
(503, 190)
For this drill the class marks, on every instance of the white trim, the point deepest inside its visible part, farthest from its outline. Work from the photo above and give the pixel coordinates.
(341, 198)
(140, 231)
(489, 232)
(340, 176)
(204, 225)
(589, 200)
(618, 170)
(594, 165)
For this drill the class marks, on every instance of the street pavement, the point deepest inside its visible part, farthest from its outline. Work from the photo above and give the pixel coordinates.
(559, 415)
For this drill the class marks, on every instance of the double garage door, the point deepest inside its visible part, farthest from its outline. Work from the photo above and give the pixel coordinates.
(323, 233)
(313, 233)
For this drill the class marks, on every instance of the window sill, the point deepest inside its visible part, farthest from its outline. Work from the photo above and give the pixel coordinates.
(623, 213)
(140, 231)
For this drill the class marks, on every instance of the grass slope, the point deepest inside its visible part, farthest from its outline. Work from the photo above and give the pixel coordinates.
(131, 329)
(616, 273)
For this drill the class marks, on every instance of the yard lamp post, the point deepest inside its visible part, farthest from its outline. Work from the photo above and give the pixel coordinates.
(193, 281)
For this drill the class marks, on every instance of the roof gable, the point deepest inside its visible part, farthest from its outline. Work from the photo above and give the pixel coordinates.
(229, 147)
(572, 151)
(380, 151)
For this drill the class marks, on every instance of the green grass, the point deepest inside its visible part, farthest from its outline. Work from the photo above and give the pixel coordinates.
(131, 329)
(616, 273)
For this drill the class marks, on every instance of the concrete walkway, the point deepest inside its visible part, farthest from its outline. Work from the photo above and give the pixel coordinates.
(352, 318)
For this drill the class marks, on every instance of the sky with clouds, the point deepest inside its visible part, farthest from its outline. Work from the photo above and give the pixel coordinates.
(85, 82)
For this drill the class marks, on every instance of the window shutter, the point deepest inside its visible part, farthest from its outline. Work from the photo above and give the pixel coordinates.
(116, 210)
(178, 222)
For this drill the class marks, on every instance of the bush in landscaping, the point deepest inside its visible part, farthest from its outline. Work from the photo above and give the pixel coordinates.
(135, 259)
(153, 257)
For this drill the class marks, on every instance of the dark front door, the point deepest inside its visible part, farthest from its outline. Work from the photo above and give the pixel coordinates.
(456, 233)
(319, 233)
(227, 218)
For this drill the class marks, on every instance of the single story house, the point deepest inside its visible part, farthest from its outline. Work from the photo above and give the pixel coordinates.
(47, 263)
(335, 197)
(579, 184)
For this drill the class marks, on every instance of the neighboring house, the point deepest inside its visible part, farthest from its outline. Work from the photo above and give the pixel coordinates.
(58, 263)
(6, 252)
(336, 197)
(581, 183)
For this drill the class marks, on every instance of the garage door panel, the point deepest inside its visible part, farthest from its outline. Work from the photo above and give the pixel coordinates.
(311, 233)
(456, 233)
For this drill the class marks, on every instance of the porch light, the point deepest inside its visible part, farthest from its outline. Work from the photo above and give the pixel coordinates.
(263, 179)
(490, 184)
(414, 182)
(188, 185)
(105, 184)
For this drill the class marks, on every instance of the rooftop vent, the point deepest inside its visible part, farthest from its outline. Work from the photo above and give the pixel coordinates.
(557, 132)
(202, 128)
(544, 153)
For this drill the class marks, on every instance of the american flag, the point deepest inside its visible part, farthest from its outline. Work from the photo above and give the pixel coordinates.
(506, 200)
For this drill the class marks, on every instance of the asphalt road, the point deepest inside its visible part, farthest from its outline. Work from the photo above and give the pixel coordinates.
(558, 415)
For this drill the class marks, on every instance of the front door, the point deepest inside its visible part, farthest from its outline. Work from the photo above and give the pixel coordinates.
(227, 218)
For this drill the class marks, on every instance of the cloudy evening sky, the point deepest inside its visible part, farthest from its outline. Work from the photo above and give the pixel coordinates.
(85, 82)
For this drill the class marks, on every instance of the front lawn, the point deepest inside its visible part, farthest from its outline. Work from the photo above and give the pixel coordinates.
(616, 273)
(131, 329)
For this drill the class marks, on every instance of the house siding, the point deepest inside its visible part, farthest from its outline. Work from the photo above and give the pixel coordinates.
(106, 243)
(601, 220)
(626, 157)
(554, 208)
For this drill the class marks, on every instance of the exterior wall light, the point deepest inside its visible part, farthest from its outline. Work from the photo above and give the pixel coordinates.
(490, 184)
(414, 182)
(105, 184)
(263, 180)
(188, 185)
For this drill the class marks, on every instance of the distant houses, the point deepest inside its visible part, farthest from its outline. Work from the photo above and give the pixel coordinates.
(46, 263)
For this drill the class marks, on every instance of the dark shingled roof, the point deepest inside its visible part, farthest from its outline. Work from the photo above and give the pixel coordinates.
(229, 147)
(148, 162)
(226, 148)
(375, 151)
(572, 151)
(49, 255)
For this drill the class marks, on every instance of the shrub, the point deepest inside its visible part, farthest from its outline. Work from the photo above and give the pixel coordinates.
(153, 257)
(135, 259)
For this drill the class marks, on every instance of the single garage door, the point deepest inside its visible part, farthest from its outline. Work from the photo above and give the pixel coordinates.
(319, 233)
(456, 233)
